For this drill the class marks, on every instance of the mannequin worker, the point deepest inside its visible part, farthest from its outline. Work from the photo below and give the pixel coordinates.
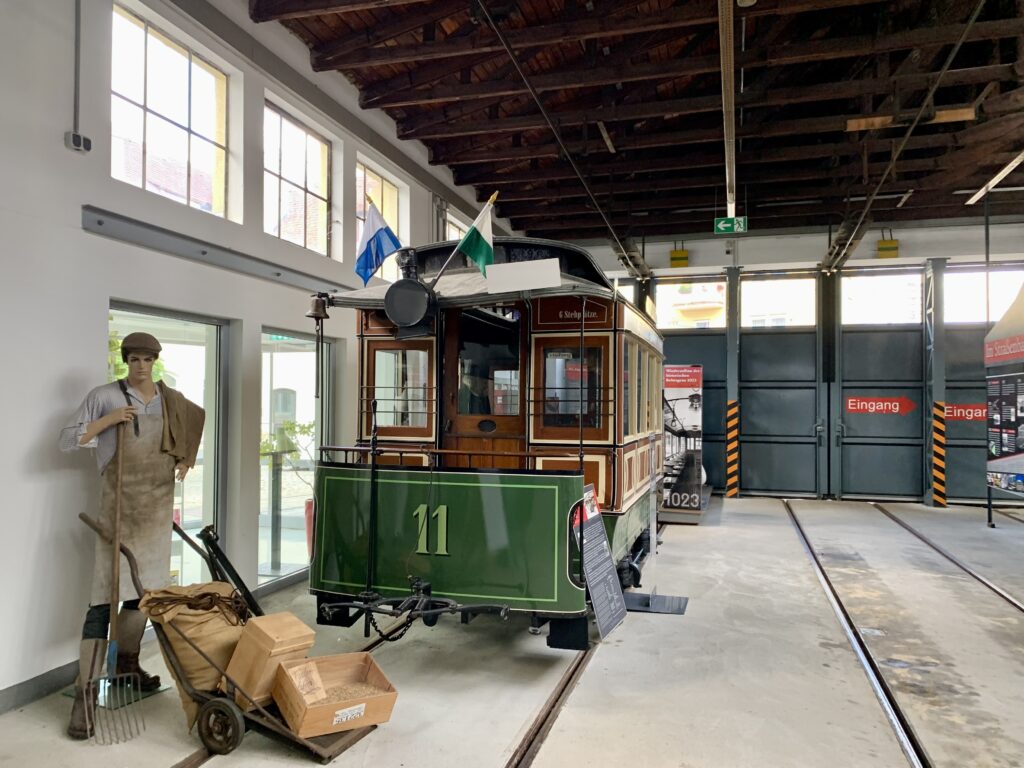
(473, 395)
(161, 435)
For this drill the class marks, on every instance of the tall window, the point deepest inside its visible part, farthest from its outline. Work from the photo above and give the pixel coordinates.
(882, 299)
(296, 182)
(384, 195)
(691, 305)
(188, 363)
(454, 229)
(965, 294)
(778, 302)
(168, 117)
(290, 428)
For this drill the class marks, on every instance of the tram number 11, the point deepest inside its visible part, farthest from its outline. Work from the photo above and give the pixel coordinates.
(423, 525)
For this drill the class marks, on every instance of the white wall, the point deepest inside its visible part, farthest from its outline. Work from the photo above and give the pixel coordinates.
(57, 285)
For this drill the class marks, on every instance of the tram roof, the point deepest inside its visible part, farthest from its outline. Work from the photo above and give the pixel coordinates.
(462, 284)
(467, 287)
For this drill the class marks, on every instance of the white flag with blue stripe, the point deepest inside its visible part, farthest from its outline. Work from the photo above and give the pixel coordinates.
(377, 243)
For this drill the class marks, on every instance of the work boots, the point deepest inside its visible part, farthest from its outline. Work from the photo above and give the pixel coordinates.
(131, 623)
(83, 710)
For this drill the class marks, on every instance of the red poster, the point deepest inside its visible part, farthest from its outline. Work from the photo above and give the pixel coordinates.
(684, 376)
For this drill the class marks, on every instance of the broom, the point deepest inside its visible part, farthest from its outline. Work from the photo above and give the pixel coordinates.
(120, 720)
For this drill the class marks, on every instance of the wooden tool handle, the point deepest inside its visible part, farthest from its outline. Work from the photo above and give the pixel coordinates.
(115, 542)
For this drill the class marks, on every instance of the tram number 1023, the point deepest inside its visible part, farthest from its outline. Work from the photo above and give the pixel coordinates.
(423, 517)
(677, 500)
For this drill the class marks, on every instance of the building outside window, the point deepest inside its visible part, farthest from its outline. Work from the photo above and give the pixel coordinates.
(188, 363)
(385, 195)
(778, 302)
(965, 294)
(690, 304)
(168, 116)
(290, 430)
(296, 182)
(882, 299)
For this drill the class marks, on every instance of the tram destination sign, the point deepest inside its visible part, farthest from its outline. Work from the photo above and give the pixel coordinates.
(730, 225)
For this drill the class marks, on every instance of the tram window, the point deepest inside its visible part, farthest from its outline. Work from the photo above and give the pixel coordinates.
(641, 406)
(400, 387)
(627, 355)
(489, 361)
(565, 381)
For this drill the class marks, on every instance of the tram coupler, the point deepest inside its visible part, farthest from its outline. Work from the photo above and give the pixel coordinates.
(420, 604)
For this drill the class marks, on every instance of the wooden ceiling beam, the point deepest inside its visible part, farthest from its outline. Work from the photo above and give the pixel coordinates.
(782, 188)
(442, 155)
(400, 25)
(770, 56)
(496, 175)
(591, 28)
(810, 218)
(701, 221)
(279, 10)
(753, 99)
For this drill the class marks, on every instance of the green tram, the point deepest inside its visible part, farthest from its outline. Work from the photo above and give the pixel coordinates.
(482, 416)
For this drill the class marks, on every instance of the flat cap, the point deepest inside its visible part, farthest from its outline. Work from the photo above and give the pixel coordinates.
(140, 342)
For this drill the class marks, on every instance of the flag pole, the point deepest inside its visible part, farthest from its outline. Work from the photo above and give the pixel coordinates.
(456, 249)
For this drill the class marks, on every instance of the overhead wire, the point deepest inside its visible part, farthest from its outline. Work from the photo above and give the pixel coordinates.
(836, 262)
(633, 270)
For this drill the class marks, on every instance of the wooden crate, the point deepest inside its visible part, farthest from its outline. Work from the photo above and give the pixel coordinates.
(301, 691)
(265, 642)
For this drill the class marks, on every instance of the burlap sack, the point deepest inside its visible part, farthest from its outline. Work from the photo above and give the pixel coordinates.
(216, 632)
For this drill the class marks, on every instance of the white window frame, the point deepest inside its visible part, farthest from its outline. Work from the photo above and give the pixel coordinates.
(304, 126)
(192, 54)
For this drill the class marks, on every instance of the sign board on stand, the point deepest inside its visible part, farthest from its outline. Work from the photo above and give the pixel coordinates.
(683, 494)
(598, 567)
(730, 225)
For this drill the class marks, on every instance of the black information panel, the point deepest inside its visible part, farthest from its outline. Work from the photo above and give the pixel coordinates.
(602, 578)
(1005, 469)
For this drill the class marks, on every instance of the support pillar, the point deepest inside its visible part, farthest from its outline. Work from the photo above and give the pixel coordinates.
(935, 370)
(732, 377)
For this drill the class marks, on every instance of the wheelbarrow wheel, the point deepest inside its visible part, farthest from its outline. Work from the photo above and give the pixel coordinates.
(221, 725)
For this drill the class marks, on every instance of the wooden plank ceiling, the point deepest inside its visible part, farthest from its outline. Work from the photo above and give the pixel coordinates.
(825, 91)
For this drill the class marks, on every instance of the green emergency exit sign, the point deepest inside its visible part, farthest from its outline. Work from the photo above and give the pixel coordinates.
(730, 225)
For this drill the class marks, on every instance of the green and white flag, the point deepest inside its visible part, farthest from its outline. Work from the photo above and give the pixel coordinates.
(478, 243)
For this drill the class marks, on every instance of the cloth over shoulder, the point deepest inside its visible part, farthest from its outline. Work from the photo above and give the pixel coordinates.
(183, 425)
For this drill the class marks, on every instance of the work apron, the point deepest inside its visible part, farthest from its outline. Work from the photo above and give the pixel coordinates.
(147, 498)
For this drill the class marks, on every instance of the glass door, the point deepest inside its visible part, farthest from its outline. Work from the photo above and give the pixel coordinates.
(290, 430)
(189, 364)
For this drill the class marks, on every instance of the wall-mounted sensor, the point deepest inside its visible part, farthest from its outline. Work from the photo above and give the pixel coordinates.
(77, 142)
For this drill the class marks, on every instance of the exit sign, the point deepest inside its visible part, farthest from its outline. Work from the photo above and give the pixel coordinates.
(730, 225)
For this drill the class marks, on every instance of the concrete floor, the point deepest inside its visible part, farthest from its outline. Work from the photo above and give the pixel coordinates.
(758, 672)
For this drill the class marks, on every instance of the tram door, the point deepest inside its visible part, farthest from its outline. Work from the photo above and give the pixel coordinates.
(483, 414)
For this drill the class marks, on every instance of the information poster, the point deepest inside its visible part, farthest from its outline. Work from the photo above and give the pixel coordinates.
(1005, 432)
(684, 407)
(598, 567)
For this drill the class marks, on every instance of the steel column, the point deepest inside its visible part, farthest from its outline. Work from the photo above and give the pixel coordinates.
(935, 381)
(732, 381)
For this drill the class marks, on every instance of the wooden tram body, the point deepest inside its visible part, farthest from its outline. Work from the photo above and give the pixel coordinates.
(480, 441)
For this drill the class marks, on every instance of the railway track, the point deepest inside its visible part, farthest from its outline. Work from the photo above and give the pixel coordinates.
(909, 741)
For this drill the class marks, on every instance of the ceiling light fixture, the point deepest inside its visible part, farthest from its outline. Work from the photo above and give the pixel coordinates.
(746, 3)
(1006, 171)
